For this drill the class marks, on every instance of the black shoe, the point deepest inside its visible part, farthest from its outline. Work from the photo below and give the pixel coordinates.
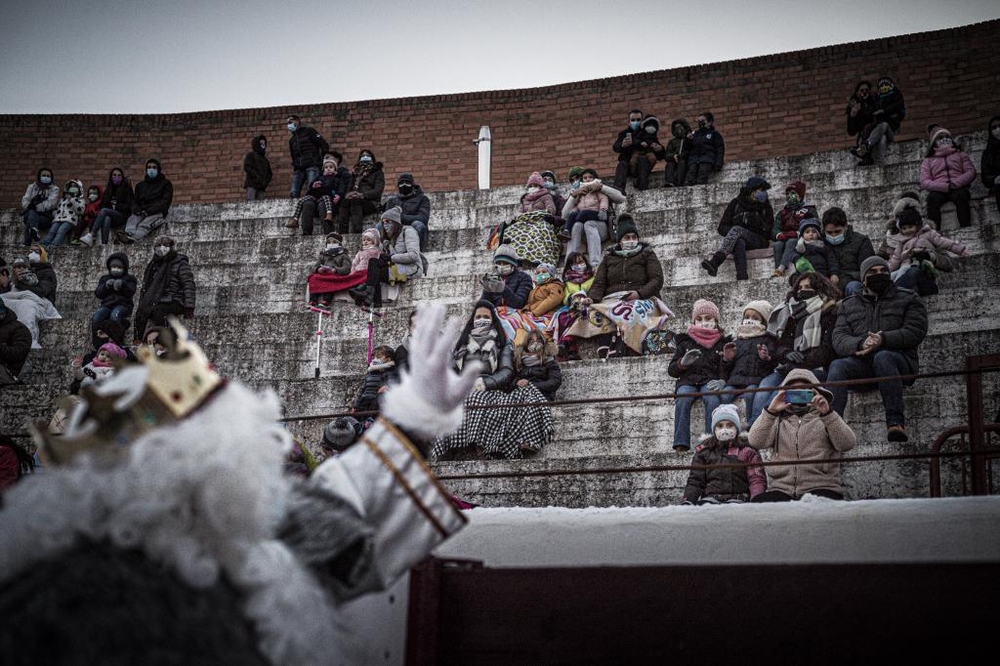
(710, 267)
(742, 276)
(681, 448)
(897, 433)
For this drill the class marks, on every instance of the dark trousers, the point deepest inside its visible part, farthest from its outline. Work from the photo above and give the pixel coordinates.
(778, 496)
(884, 365)
(675, 172)
(311, 208)
(960, 197)
(916, 279)
(698, 173)
(579, 216)
(639, 166)
(156, 317)
(352, 212)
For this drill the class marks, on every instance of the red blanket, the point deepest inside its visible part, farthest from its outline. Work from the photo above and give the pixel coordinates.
(324, 283)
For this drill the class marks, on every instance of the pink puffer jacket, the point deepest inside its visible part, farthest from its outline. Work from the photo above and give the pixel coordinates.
(538, 200)
(927, 240)
(947, 166)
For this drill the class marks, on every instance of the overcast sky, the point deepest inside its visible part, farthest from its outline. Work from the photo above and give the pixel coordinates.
(144, 56)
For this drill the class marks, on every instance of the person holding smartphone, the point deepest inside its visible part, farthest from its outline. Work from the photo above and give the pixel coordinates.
(801, 424)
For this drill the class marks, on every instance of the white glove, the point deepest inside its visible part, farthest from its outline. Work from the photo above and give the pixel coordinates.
(492, 284)
(428, 401)
(715, 385)
(479, 384)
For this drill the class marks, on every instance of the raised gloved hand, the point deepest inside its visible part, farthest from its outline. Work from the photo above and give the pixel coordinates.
(429, 399)
(795, 357)
(492, 284)
(715, 385)
(690, 358)
(117, 284)
(763, 353)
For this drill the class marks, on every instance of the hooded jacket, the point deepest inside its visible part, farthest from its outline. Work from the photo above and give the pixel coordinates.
(93, 207)
(153, 195)
(725, 483)
(15, 341)
(948, 166)
(752, 215)
(118, 197)
(48, 196)
(371, 184)
(856, 248)
(541, 200)
(415, 206)
(71, 209)
(899, 314)
(545, 298)
(891, 108)
(989, 167)
(124, 295)
(926, 240)
(640, 272)
(517, 288)
(256, 165)
(707, 147)
(679, 146)
(866, 109)
(336, 260)
(307, 147)
(647, 140)
(178, 282)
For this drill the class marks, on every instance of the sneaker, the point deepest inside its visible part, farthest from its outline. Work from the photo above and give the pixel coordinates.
(291, 223)
(75, 241)
(897, 433)
(565, 234)
(603, 352)
(862, 150)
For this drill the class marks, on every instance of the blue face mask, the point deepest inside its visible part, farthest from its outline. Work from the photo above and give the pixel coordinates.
(835, 240)
(635, 124)
(152, 172)
(292, 127)
(760, 196)
(45, 180)
(365, 159)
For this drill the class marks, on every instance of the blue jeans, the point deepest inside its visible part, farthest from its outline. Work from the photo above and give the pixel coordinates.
(35, 222)
(748, 399)
(302, 177)
(107, 219)
(887, 366)
(57, 233)
(421, 228)
(853, 287)
(116, 314)
(762, 399)
(682, 413)
(779, 251)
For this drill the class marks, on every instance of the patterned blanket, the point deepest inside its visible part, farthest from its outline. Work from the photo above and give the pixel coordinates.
(632, 319)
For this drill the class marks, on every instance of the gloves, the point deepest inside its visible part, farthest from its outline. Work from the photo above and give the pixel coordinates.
(116, 284)
(602, 216)
(729, 351)
(479, 384)
(492, 284)
(715, 385)
(29, 279)
(690, 358)
(188, 313)
(795, 357)
(37, 199)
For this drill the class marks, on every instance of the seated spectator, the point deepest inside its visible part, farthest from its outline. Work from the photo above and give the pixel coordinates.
(381, 372)
(84, 232)
(850, 248)
(307, 147)
(68, 214)
(537, 197)
(549, 183)
(506, 285)
(731, 470)
(810, 253)
(892, 236)
(150, 206)
(35, 274)
(799, 430)
(789, 218)
(322, 197)
(364, 195)
(168, 288)
(333, 262)
(677, 152)
(104, 332)
(116, 291)
(697, 367)
(578, 276)
(535, 364)
(15, 344)
(861, 115)
(399, 261)
(708, 151)
(877, 335)
(638, 149)
(414, 204)
(116, 205)
(575, 177)
(402, 353)
(591, 204)
(100, 368)
(887, 117)
(38, 205)
(989, 166)
(751, 356)
(532, 234)
(547, 295)
(746, 225)
(921, 248)
(340, 434)
(257, 168)
(4, 276)
(370, 241)
(803, 325)
(945, 174)
(596, 231)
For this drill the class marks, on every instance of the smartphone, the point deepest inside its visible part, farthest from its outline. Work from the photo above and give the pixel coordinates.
(799, 396)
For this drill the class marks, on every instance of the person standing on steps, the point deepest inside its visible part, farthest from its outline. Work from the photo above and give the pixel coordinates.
(150, 206)
(708, 151)
(746, 225)
(168, 288)
(257, 168)
(861, 115)
(637, 151)
(677, 152)
(307, 147)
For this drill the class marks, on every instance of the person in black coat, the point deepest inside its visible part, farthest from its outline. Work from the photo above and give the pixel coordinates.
(257, 168)
(860, 113)
(307, 147)
(851, 248)
(364, 195)
(751, 356)
(638, 150)
(708, 151)
(116, 291)
(877, 335)
(677, 152)
(168, 288)
(381, 371)
(116, 205)
(890, 110)
(149, 208)
(989, 167)
(15, 341)
(506, 285)
(35, 274)
(535, 363)
(746, 225)
(414, 204)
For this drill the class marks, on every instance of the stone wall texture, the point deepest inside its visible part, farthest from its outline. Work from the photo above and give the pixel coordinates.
(784, 104)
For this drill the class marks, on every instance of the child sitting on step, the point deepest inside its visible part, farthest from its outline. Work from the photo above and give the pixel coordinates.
(333, 260)
(727, 445)
(534, 363)
(752, 356)
(101, 367)
(921, 249)
(810, 253)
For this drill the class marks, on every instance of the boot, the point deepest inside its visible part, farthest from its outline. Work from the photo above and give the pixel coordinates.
(362, 294)
(712, 265)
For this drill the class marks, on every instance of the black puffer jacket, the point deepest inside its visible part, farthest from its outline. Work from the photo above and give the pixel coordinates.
(47, 283)
(818, 357)
(748, 367)
(625, 152)
(153, 195)
(111, 297)
(257, 166)
(517, 288)
(307, 147)
(336, 184)
(856, 248)
(641, 272)
(891, 108)
(721, 483)
(680, 144)
(989, 167)
(707, 147)
(367, 400)
(118, 197)
(416, 206)
(547, 377)
(706, 368)
(15, 342)
(900, 315)
(752, 215)
(866, 109)
(371, 185)
(177, 285)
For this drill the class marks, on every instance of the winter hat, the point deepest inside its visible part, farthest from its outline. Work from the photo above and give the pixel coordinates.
(114, 330)
(626, 225)
(909, 216)
(884, 81)
(330, 159)
(756, 183)
(535, 179)
(705, 307)
(506, 253)
(727, 413)
(651, 120)
(340, 433)
(798, 187)
(871, 261)
(575, 172)
(934, 132)
(405, 177)
(549, 268)
(394, 214)
(372, 235)
(550, 174)
(906, 200)
(809, 222)
(164, 240)
(113, 350)
(335, 237)
(19, 261)
(763, 308)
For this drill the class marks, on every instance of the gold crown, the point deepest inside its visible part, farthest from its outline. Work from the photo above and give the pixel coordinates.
(135, 400)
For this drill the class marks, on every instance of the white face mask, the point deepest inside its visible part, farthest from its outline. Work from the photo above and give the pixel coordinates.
(579, 268)
(630, 244)
(504, 269)
(725, 434)
(709, 324)
(481, 324)
(945, 142)
(752, 322)
(34, 257)
(161, 250)
(533, 189)
(331, 246)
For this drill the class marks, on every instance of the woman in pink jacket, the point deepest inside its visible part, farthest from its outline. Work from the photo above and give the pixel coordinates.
(945, 174)
(537, 197)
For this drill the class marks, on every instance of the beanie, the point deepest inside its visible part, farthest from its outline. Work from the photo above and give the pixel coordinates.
(506, 253)
(330, 159)
(549, 268)
(335, 237)
(626, 225)
(113, 350)
(763, 308)
(809, 222)
(798, 187)
(871, 261)
(340, 433)
(705, 307)
(549, 174)
(535, 179)
(756, 183)
(394, 214)
(372, 235)
(726, 413)
(934, 131)
(405, 177)
(111, 328)
(908, 216)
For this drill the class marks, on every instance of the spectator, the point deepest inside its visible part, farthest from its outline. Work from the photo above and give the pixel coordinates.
(575, 177)
(168, 288)
(595, 231)
(414, 204)
(116, 205)
(746, 225)
(38, 204)
(15, 344)
(731, 470)
(535, 364)
(333, 261)
(370, 241)
(537, 197)
(638, 149)
(803, 325)
(751, 356)
(340, 434)
(789, 218)
(861, 115)
(116, 291)
(68, 214)
(708, 151)
(810, 253)
(506, 285)
(323, 196)
(945, 174)
(697, 367)
(877, 335)
(547, 295)
(578, 276)
(307, 147)
(920, 250)
(990, 163)
(800, 431)
(591, 204)
(677, 152)
(381, 372)
(104, 331)
(36, 274)
(4, 276)
(15, 462)
(849, 247)
(364, 196)
(150, 205)
(84, 233)
(549, 183)
(630, 266)
(101, 367)
(257, 168)
(892, 236)
(399, 261)
(890, 109)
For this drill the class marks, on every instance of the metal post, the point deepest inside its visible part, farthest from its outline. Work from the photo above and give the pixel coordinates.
(319, 339)
(977, 443)
(485, 153)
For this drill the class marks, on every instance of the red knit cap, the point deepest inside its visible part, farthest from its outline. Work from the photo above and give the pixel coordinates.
(798, 187)
(704, 307)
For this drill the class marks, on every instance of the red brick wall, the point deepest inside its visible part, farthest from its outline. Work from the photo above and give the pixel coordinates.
(784, 104)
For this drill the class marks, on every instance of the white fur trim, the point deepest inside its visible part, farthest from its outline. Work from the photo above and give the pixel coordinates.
(904, 203)
(405, 406)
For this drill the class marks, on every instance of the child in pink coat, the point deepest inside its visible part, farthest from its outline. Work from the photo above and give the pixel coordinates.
(537, 197)
(915, 258)
(945, 174)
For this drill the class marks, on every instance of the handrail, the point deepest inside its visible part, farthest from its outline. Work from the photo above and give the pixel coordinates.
(936, 455)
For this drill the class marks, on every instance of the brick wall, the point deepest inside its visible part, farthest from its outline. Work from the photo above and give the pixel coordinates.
(790, 103)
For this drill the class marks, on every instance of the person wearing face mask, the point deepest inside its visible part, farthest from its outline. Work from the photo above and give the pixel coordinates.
(506, 285)
(860, 113)
(332, 273)
(751, 356)
(810, 253)
(68, 214)
(788, 219)
(549, 183)
(381, 372)
(257, 168)
(677, 152)
(630, 266)
(36, 275)
(116, 291)
(323, 197)
(364, 195)
(150, 206)
(849, 246)
(989, 166)
(535, 365)
(547, 294)
(40, 200)
(920, 250)
(746, 225)
(590, 204)
(537, 197)
(886, 120)
(168, 288)
(578, 276)
(307, 147)
(592, 232)
(717, 481)
(877, 336)
(414, 204)
(15, 344)
(626, 145)
(84, 232)
(708, 151)
(799, 430)
(400, 261)
(638, 150)
(116, 205)
(945, 174)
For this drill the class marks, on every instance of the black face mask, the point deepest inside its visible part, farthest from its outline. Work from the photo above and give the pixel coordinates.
(405, 189)
(702, 124)
(805, 294)
(878, 283)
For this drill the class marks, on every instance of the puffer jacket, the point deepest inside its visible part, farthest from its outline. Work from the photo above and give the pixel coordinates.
(899, 314)
(747, 367)
(680, 144)
(335, 184)
(625, 152)
(15, 342)
(856, 248)
(926, 240)
(179, 286)
(111, 297)
(367, 398)
(593, 200)
(706, 368)
(545, 298)
(93, 207)
(46, 283)
(371, 184)
(404, 251)
(153, 195)
(989, 166)
(818, 253)
(725, 483)
(118, 197)
(307, 147)
(786, 222)
(415, 206)
(48, 203)
(641, 272)
(71, 209)
(750, 214)
(256, 166)
(948, 166)
(517, 288)
(502, 377)
(336, 260)
(546, 377)
(571, 288)
(707, 147)
(540, 200)
(803, 437)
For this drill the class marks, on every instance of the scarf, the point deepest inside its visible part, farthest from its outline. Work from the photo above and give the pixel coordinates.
(627, 253)
(375, 366)
(482, 347)
(360, 172)
(577, 277)
(792, 311)
(744, 331)
(706, 337)
(531, 360)
(151, 295)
